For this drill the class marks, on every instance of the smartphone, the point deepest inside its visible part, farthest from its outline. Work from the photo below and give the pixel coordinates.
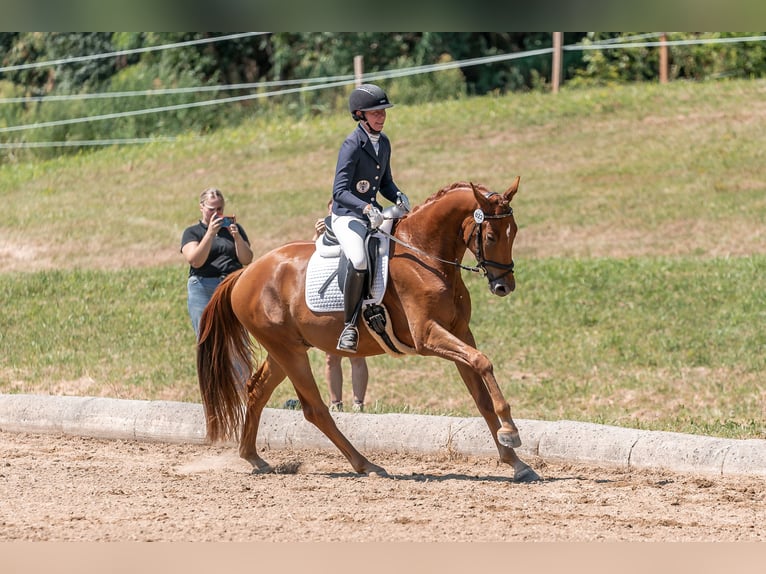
(227, 221)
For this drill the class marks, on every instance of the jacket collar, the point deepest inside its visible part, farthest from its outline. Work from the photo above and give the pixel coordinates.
(366, 144)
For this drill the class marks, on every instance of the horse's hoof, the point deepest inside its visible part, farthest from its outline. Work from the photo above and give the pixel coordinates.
(263, 468)
(526, 474)
(510, 439)
(376, 472)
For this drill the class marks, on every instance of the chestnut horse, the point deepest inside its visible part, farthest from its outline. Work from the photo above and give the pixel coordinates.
(428, 304)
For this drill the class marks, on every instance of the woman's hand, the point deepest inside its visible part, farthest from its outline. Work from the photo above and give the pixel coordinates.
(214, 225)
(233, 229)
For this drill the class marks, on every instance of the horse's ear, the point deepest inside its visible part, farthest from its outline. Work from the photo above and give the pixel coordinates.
(483, 202)
(511, 191)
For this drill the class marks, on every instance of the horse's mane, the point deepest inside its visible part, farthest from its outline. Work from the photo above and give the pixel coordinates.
(445, 190)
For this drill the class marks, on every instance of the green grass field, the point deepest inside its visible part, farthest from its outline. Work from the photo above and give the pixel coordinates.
(640, 256)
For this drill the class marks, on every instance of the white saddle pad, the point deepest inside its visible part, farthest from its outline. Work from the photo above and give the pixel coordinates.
(320, 268)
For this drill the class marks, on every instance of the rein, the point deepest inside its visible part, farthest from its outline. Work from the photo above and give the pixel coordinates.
(421, 252)
(478, 216)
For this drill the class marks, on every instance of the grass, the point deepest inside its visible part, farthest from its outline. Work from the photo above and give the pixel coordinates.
(114, 333)
(640, 255)
(634, 342)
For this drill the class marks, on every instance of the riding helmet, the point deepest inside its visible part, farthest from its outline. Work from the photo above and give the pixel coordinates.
(367, 97)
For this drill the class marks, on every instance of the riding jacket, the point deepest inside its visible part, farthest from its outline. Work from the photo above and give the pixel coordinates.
(361, 173)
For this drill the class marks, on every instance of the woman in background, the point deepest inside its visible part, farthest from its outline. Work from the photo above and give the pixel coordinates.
(214, 247)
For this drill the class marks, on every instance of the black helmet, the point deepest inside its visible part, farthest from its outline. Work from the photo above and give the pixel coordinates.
(367, 97)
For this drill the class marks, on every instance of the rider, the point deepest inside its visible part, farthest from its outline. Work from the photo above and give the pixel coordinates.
(363, 170)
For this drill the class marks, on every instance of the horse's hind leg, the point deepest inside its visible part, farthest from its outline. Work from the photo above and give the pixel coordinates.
(259, 390)
(298, 368)
(522, 472)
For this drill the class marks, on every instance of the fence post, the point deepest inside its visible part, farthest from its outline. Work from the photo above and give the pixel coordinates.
(358, 70)
(663, 58)
(558, 40)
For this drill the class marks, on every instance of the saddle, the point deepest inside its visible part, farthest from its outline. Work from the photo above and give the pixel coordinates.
(326, 274)
(328, 246)
(328, 267)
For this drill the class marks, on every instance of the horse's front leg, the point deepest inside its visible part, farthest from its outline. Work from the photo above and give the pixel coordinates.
(522, 472)
(477, 373)
(479, 378)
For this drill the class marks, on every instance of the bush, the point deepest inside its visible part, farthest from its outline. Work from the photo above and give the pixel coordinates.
(693, 61)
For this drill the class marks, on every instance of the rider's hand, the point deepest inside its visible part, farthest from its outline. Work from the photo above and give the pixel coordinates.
(374, 215)
(402, 201)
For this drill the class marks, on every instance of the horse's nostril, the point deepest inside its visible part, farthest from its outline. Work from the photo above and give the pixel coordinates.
(501, 290)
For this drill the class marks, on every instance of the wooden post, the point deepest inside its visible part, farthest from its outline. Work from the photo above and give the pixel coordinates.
(558, 40)
(663, 59)
(358, 70)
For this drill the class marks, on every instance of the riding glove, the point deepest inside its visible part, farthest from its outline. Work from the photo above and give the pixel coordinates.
(402, 201)
(375, 216)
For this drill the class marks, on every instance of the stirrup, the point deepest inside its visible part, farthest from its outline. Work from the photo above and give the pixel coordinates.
(349, 339)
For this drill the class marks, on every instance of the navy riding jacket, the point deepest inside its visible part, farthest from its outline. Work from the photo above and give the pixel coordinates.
(361, 173)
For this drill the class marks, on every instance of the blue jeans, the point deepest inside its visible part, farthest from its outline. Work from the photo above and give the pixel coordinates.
(200, 290)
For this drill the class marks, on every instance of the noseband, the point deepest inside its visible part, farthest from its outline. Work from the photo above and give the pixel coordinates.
(479, 217)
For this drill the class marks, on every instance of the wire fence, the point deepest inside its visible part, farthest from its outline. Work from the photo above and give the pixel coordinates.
(266, 89)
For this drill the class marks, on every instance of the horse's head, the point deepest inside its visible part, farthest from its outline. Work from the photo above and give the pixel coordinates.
(491, 239)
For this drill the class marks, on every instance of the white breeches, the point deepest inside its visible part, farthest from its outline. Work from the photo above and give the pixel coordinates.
(350, 232)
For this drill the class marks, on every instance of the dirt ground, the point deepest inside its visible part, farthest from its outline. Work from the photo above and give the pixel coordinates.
(65, 488)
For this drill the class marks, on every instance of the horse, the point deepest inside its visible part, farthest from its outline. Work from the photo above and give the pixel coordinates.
(426, 300)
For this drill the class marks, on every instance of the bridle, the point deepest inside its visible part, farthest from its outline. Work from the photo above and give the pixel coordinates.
(478, 217)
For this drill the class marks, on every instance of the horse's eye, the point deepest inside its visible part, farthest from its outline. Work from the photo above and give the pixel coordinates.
(490, 238)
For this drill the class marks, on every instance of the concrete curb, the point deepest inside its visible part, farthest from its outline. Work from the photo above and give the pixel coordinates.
(576, 442)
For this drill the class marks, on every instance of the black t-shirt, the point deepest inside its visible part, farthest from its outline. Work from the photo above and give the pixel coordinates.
(222, 258)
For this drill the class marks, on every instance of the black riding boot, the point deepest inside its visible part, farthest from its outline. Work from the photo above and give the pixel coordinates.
(352, 303)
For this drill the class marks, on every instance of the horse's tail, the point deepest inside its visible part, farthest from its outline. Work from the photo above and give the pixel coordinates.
(223, 363)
